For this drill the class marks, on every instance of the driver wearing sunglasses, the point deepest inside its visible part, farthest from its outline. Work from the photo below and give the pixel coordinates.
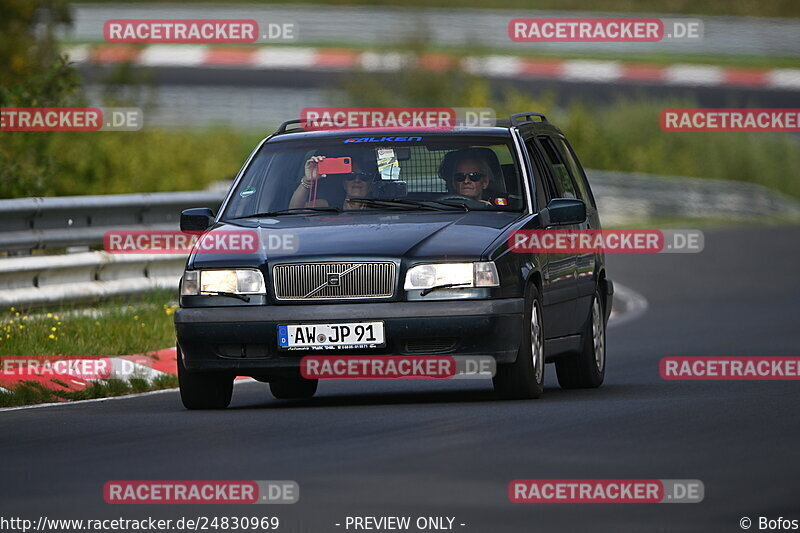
(356, 184)
(471, 177)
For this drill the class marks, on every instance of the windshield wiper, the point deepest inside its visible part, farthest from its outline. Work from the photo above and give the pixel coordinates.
(465, 207)
(290, 211)
(388, 202)
(242, 297)
(398, 202)
(443, 286)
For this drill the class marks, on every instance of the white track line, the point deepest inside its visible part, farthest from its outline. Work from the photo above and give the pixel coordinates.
(96, 400)
(636, 305)
(79, 402)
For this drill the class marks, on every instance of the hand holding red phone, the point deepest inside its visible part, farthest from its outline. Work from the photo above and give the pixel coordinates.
(312, 168)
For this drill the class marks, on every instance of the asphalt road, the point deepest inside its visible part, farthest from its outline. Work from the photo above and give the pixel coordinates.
(449, 449)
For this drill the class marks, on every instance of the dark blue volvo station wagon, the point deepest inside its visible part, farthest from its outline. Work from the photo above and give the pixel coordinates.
(382, 244)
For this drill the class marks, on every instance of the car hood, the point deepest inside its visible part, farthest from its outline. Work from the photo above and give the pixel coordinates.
(441, 235)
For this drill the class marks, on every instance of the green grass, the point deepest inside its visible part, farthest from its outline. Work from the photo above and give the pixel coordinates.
(771, 8)
(118, 327)
(115, 327)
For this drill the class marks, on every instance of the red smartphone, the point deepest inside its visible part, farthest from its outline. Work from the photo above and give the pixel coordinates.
(335, 165)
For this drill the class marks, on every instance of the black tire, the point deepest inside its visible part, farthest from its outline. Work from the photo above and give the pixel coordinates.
(587, 369)
(204, 390)
(524, 378)
(294, 388)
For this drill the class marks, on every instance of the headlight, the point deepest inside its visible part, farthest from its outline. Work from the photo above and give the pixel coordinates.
(248, 281)
(452, 274)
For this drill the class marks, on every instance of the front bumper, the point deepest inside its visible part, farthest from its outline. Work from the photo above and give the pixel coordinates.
(243, 339)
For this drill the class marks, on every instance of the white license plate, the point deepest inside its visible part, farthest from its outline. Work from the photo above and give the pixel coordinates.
(331, 336)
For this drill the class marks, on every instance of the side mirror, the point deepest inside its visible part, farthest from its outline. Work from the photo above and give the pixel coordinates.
(565, 212)
(196, 219)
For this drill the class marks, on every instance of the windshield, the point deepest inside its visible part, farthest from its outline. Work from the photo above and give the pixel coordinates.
(432, 173)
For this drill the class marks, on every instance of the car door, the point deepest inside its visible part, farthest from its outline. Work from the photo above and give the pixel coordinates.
(558, 269)
(565, 187)
(586, 262)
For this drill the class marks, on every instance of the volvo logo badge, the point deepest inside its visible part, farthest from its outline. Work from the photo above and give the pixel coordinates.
(333, 279)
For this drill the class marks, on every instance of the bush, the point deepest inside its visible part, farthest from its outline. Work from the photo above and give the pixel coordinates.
(145, 161)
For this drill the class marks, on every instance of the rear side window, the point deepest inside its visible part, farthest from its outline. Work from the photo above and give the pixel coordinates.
(561, 175)
(578, 176)
(543, 182)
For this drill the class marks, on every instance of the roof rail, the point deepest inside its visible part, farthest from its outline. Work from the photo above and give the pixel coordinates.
(518, 119)
(282, 128)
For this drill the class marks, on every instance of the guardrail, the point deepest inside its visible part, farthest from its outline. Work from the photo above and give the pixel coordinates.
(60, 222)
(78, 223)
(41, 279)
(625, 197)
(38, 226)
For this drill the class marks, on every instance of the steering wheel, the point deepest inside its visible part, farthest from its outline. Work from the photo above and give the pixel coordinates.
(470, 202)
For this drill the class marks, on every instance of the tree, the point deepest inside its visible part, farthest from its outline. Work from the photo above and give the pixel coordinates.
(33, 73)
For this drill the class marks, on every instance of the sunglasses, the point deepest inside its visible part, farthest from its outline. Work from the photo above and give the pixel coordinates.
(471, 176)
(362, 176)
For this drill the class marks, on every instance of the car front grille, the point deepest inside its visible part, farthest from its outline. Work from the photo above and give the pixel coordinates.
(330, 281)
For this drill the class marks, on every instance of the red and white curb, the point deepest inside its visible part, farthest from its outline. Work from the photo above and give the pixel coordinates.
(500, 66)
(146, 366)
